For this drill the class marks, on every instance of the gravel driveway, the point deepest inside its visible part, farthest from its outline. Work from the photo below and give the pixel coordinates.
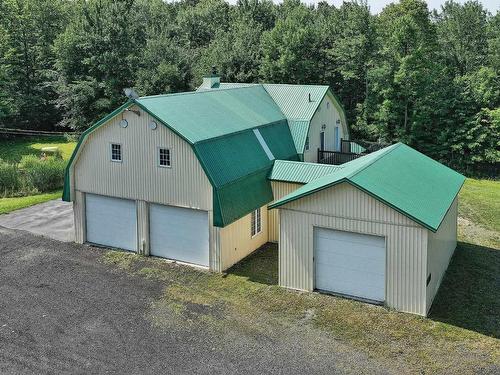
(62, 310)
(53, 219)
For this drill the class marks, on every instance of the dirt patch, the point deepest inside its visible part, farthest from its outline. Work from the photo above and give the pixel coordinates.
(476, 234)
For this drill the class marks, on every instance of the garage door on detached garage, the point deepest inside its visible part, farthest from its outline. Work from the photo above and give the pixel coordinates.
(350, 264)
(111, 221)
(179, 233)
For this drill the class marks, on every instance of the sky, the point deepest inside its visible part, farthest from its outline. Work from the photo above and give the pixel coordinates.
(377, 5)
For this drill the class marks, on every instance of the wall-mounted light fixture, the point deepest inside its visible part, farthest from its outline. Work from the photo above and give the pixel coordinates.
(138, 113)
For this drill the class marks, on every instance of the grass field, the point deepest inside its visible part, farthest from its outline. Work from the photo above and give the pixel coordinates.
(479, 213)
(12, 150)
(461, 334)
(11, 204)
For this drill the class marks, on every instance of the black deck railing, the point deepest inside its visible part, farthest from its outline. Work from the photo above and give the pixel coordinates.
(349, 150)
(336, 157)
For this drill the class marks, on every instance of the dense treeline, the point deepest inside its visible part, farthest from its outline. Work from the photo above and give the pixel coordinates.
(427, 78)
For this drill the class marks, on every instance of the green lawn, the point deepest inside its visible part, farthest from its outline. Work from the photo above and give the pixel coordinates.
(12, 150)
(461, 334)
(10, 204)
(479, 213)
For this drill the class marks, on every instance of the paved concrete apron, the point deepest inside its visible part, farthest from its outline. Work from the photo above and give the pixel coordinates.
(53, 219)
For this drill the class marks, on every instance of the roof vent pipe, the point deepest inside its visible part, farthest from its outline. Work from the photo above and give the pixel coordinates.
(310, 98)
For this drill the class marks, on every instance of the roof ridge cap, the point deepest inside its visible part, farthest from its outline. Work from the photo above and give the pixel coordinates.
(382, 154)
(309, 163)
(196, 92)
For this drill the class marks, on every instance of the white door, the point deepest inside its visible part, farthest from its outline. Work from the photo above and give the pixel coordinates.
(349, 263)
(179, 233)
(111, 221)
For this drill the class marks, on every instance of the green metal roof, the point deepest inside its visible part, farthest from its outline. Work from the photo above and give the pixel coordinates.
(357, 148)
(299, 130)
(223, 127)
(297, 102)
(300, 172)
(293, 100)
(202, 115)
(401, 177)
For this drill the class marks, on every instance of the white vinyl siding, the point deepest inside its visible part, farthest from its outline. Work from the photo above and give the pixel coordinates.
(111, 222)
(179, 234)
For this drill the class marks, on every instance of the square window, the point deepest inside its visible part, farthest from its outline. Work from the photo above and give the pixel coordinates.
(116, 152)
(164, 157)
(256, 224)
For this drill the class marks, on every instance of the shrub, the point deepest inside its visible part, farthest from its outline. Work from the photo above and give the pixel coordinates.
(10, 181)
(43, 174)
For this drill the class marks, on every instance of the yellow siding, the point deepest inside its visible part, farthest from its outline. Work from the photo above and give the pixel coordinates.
(143, 227)
(138, 176)
(214, 258)
(440, 249)
(346, 208)
(236, 241)
(79, 216)
(327, 116)
(280, 189)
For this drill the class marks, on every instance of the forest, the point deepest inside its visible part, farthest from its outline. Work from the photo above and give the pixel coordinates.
(427, 77)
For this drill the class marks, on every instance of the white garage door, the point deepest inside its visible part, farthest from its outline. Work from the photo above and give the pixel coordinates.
(349, 263)
(179, 233)
(111, 221)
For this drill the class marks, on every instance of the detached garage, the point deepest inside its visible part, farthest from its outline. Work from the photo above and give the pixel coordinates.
(382, 228)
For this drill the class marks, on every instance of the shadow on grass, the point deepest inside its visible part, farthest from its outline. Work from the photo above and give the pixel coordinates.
(469, 296)
(260, 267)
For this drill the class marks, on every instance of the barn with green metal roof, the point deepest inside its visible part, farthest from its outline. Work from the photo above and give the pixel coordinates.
(207, 177)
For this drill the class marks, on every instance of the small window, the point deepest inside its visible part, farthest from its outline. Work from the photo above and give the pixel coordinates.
(116, 152)
(164, 157)
(307, 143)
(256, 222)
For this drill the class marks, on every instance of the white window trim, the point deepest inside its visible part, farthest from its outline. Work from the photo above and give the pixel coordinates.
(111, 152)
(254, 221)
(158, 156)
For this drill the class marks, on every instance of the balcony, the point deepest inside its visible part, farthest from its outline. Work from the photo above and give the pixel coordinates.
(349, 150)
